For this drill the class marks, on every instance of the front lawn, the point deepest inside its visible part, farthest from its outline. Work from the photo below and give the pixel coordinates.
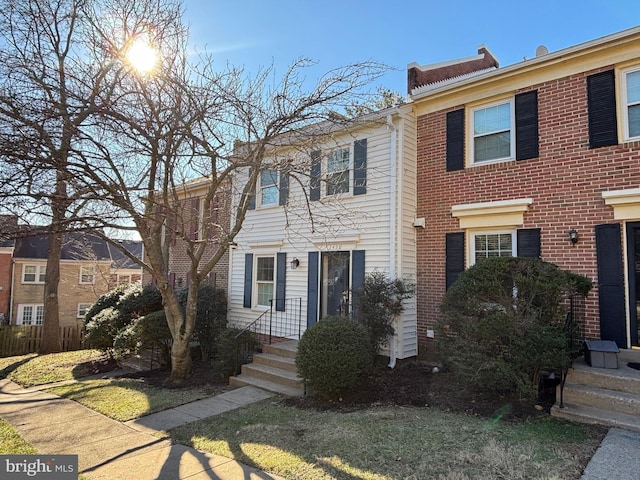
(393, 443)
(34, 369)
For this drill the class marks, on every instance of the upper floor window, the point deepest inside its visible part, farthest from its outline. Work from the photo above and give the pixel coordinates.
(337, 171)
(87, 274)
(33, 273)
(268, 188)
(492, 244)
(265, 276)
(492, 132)
(631, 80)
(30, 314)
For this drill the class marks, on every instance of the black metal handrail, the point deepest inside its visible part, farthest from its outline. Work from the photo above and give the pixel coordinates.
(283, 320)
(574, 333)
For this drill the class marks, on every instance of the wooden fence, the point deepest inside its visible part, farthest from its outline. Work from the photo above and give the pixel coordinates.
(23, 339)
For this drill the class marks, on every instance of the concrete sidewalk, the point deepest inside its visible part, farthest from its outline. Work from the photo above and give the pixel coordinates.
(111, 450)
(617, 457)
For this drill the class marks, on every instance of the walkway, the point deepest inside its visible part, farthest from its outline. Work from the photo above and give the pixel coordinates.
(110, 450)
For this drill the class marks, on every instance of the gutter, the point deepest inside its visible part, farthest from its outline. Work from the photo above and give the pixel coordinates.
(393, 204)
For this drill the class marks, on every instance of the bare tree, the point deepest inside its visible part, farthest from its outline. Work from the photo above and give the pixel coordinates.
(47, 89)
(92, 141)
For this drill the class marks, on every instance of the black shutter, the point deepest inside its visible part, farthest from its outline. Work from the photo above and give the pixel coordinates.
(601, 101)
(611, 284)
(528, 242)
(357, 277)
(527, 125)
(360, 167)
(281, 281)
(454, 251)
(312, 289)
(314, 181)
(248, 279)
(455, 140)
(284, 189)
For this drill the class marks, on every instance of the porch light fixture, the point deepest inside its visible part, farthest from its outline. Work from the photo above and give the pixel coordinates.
(573, 236)
(295, 263)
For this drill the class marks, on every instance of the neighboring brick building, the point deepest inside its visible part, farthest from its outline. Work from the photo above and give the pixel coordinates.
(510, 160)
(187, 231)
(89, 267)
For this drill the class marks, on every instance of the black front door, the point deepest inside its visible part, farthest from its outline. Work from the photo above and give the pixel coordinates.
(335, 283)
(633, 255)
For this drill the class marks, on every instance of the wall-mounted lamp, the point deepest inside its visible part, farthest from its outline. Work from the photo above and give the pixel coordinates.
(295, 263)
(573, 236)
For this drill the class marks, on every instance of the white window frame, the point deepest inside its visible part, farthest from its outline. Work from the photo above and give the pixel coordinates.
(625, 102)
(36, 314)
(257, 282)
(39, 274)
(472, 241)
(348, 170)
(270, 187)
(83, 274)
(83, 308)
(472, 136)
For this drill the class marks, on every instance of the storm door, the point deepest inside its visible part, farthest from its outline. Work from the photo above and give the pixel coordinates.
(335, 284)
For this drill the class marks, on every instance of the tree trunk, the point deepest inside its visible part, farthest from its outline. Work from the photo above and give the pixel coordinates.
(51, 342)
(181, 329)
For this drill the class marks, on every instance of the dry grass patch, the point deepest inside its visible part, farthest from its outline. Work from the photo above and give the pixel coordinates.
(393, 443)
(34, 369)
(127, 398)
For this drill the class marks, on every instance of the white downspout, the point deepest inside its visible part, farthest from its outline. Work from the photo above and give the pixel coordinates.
(392, 222)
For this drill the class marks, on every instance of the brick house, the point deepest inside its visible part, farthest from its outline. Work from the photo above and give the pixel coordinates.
(540, 158)
(89, 267)
(186, 230)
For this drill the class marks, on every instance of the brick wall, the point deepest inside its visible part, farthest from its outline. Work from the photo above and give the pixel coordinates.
(565, 183)
(5, 284)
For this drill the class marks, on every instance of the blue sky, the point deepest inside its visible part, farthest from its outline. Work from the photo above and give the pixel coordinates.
(259, 33)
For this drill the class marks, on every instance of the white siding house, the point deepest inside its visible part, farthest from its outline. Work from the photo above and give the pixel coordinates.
(315, 236)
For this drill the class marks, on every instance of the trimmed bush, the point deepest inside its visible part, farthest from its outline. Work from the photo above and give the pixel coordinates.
(503, 321)
(334, 355)
(231, 352)
(378, 303)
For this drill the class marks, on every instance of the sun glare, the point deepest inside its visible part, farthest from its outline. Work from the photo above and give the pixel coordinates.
(142, 56)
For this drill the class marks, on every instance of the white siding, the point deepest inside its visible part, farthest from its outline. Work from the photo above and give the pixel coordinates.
(348, 223)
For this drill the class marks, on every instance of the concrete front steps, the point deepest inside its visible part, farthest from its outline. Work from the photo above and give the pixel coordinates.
(603, 396)
(274, 370)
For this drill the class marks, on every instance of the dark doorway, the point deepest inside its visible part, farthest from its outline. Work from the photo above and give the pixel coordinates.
(633, 255)
(335, 283)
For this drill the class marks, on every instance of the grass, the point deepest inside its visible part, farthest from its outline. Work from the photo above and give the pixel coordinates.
(393, 443)
(126, 398)
(34, 369)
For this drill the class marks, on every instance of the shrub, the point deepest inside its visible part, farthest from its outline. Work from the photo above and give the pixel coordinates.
(146, 332)
(503, 322)
(211, 317)
(101, 329)
(334, 355)
(231, 352)
(377, 304)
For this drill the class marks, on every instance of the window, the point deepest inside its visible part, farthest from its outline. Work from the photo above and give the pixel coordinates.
(30, 314)
(632, 103)
(492, 132)
(269, 187)
(265, 269)
(124, 280)
(83, 308)
(33, 273)
(337, 176)
(492, 244)
(87, 274)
